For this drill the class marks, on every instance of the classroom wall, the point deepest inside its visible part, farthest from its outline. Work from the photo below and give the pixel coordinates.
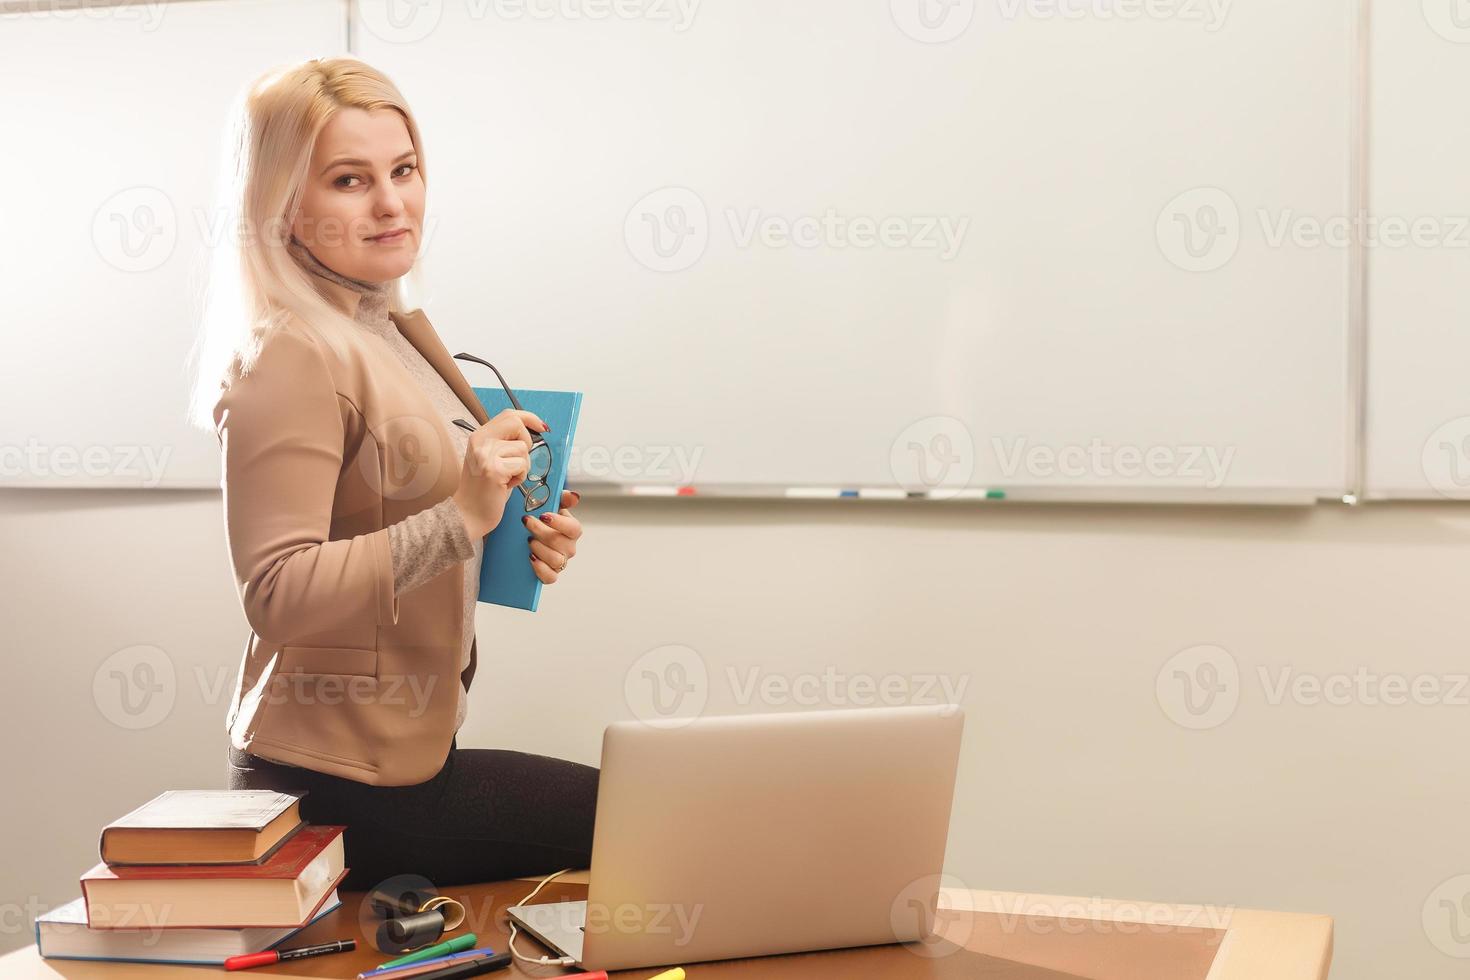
(1079, 776)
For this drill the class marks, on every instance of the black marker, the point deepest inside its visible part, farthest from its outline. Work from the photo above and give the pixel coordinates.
(473, 969)
(247, 960)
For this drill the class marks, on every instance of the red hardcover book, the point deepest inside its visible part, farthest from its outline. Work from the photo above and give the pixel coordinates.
(283, 891)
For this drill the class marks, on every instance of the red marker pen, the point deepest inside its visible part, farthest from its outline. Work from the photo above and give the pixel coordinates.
(246, 960)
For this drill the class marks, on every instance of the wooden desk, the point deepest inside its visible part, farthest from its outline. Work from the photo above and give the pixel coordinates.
(985, 936)
(1111, 939)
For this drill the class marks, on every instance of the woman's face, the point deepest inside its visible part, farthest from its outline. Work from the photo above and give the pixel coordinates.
(363, 181)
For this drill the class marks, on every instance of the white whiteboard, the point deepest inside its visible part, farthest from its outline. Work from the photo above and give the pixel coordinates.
(1418, 295)
(1070, 342)
(112, 120)
(1062, 322)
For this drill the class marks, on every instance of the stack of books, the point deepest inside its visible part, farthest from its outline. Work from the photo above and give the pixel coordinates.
(196, 876)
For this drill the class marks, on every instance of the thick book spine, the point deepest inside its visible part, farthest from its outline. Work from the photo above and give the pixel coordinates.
(264, 822)
(270, 853)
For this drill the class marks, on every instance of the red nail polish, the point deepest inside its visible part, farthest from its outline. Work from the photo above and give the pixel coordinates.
(546, 517)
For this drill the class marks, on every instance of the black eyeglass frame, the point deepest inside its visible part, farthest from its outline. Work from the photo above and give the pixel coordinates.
(536, 441)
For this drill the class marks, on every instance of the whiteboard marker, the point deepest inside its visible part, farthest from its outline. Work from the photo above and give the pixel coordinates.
(967, 493)
(813, 492)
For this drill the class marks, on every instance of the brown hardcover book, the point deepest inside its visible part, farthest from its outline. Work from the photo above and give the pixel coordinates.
(202, 826)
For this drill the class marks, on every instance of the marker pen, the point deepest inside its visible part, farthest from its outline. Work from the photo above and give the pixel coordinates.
(472, 969)
(246, 960)
(424, 966)
(455, 945)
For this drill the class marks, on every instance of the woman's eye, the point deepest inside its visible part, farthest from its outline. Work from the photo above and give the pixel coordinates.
(409, 167)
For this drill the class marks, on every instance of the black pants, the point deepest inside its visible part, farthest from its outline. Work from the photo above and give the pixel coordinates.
(487, 815)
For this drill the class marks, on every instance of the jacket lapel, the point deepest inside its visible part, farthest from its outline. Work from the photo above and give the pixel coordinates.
(416, 328)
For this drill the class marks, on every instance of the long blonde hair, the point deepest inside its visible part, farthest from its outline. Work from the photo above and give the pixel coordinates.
(254, 283)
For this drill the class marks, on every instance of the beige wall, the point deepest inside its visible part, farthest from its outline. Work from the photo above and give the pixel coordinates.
(1059, 621)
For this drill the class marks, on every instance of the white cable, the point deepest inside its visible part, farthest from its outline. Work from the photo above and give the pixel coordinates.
(545, 960)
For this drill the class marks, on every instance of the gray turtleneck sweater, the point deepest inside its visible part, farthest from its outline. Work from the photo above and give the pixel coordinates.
(426, 544)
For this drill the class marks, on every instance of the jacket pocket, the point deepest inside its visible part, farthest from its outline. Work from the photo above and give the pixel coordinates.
(329, 660)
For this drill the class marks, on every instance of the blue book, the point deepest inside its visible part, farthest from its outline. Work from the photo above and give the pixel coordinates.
(506, 576)
(63, 934)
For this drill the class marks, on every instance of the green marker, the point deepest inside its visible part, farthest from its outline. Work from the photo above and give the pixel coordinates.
(456, 945)
(995, 495)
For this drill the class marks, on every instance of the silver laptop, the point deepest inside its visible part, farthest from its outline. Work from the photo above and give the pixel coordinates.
(758, 834)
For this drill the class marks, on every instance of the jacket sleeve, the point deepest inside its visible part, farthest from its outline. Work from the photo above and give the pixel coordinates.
(281, 437)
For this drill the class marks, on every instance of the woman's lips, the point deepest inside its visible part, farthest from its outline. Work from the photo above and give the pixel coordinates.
(390, 237)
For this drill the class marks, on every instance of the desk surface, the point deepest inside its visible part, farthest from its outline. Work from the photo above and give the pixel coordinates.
(985, 935)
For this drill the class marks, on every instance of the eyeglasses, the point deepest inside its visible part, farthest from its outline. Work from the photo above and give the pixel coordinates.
(534, 487)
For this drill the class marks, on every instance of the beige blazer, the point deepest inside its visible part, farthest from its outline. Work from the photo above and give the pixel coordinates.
(321, 454)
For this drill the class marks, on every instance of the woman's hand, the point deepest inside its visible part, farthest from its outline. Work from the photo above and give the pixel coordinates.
(496, 461)
(553, 538)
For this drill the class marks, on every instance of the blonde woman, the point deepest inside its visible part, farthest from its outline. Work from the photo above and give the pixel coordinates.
(355, 509)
